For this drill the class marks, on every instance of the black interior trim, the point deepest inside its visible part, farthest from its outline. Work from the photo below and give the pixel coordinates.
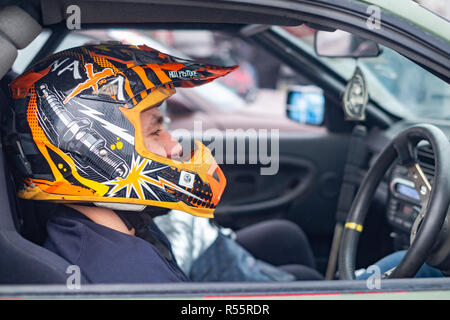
(111, 11)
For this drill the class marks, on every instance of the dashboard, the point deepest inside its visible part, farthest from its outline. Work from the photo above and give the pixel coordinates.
(404, 203)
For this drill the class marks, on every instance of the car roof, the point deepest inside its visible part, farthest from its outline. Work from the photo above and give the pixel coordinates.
(428, 47)
(151, 11)
(415, 14)
(48, 12)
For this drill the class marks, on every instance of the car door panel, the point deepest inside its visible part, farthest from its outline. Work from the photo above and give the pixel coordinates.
(250, 193)
(304, 189)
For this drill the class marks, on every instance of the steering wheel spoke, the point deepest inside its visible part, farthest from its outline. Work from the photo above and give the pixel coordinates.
(421, 183)
(423, 187)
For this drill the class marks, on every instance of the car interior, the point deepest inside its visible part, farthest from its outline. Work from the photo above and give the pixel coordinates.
(319, 171)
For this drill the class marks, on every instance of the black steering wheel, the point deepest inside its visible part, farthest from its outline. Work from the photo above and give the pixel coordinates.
(434, 200)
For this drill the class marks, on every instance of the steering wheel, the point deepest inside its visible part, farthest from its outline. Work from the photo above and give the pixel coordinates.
(434, 200)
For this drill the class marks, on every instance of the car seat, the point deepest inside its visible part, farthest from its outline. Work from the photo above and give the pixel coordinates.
(22, 259)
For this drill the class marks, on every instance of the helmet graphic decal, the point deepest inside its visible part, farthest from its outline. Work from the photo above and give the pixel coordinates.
(91, 82)
(76, 120)
(75, 135)
(137, 180)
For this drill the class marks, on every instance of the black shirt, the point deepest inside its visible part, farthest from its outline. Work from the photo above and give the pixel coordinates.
(105, 255)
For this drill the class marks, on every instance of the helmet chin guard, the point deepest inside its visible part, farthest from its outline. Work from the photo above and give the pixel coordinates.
(75, 133)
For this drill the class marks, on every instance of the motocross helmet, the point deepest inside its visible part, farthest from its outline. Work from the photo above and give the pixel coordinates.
(76, 131)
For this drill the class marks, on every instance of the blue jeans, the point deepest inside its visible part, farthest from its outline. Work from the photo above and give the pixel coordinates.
(392, 260)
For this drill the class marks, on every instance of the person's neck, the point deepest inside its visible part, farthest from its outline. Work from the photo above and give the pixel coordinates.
(103, 216)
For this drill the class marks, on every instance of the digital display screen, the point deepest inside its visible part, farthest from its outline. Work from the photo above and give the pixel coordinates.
(407, 191)
(306, 107)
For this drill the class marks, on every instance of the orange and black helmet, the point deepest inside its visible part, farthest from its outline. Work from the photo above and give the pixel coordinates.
(76, 132)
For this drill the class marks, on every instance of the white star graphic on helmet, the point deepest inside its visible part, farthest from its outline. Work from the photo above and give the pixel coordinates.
(138, 180)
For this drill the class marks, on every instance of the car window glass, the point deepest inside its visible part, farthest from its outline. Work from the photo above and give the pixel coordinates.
(27, 54)
(396, 83)
(261, 82)
(252, 96)
(74, 39)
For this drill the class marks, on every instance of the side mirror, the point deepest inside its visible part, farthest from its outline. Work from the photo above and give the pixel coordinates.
(306, 104)
(341, 44)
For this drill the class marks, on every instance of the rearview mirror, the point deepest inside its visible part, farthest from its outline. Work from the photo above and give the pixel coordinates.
(305, 104)
(341, 44)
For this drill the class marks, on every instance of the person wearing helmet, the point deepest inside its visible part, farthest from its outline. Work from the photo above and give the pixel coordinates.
(85, 133)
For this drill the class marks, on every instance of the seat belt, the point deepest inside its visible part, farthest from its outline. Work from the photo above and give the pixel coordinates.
(356, 159)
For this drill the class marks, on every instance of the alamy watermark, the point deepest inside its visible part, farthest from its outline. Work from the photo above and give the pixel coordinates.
(236, 146)
(374, 281)
(73, 20)
(374, 21)
(74, 279)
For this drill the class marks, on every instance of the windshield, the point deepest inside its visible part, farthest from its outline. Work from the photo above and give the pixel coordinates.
(395, 83)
